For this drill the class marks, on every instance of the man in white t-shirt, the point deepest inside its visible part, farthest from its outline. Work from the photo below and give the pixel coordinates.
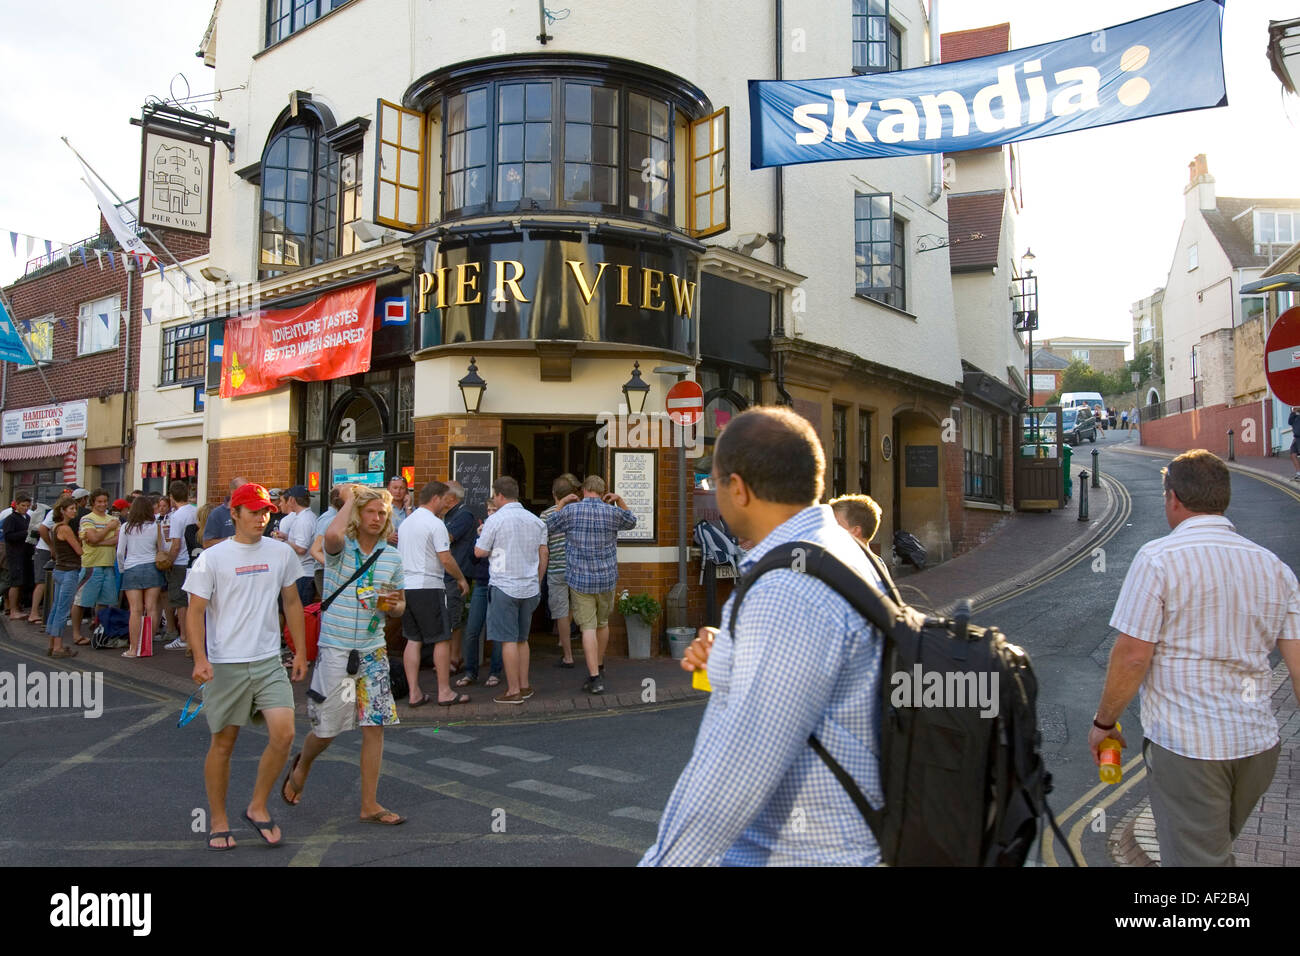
(426, 555)
(184, 515)
(237, 582)
(298, 530)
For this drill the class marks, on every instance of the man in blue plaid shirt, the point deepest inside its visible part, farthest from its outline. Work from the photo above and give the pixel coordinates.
(591, 525)
(802, 661)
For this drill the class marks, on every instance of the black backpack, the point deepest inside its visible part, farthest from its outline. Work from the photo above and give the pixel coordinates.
(960, 789)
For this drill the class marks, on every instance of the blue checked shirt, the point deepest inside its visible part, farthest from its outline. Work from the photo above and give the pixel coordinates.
(754, 792)
(591, 528)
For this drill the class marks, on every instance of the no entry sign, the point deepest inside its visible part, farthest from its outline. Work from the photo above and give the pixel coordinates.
(1282, 357)
(685, 403)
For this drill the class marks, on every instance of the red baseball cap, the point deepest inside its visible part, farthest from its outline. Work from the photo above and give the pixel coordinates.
(121, 503)
(252, 496)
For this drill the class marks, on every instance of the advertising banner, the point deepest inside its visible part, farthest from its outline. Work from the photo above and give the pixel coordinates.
(325, 339)
(1167, 63)
(45, 423)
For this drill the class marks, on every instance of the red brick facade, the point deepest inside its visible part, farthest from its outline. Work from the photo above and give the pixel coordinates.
(269, 460)
(1208, 428)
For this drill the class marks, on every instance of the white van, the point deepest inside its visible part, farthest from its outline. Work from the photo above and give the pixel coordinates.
(1091, 399)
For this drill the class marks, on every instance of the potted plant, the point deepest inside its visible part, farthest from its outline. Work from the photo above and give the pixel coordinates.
(640, 611)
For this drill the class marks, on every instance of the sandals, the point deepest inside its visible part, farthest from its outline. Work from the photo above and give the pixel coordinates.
(492, 681)
(264, 827)
(458, 699)
(288, 783)
(61, 652)
(464, 681)
(421, 702)
(379, 818)
(82, 641)
(221, 835)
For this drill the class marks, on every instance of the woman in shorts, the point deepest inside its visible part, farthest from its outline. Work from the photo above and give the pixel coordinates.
(137, 551)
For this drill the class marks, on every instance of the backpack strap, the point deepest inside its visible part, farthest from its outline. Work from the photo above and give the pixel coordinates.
(865, 597)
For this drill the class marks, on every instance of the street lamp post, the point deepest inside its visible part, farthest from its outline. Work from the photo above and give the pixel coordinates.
(1026, 311)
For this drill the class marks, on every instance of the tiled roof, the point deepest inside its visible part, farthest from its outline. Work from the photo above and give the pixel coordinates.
(974, 214)
(1045, 361)
(1238, 237)
(969, 44)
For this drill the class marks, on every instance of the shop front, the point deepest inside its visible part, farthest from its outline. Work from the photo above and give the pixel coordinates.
(41, 447)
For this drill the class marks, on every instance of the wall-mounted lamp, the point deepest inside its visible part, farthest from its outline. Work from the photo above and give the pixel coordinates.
(472, 388)
(215, 274)
(635, 391)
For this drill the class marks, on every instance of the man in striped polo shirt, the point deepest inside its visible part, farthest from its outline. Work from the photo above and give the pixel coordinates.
(557, 585)
(1199, 613)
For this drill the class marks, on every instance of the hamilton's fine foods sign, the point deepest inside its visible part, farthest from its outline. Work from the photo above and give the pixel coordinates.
(60, 422)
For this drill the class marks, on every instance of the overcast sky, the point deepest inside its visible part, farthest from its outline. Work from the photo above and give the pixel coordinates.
(1102, 207)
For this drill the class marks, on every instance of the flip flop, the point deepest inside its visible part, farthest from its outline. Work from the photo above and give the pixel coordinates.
(221, 835)
(458, 699)
(288, 782)
(264, 827)
(464, 681)
(82, 641)
(379, 818)
(419, 703)
(492, 681)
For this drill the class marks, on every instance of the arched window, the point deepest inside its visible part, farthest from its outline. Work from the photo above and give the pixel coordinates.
(310, 195)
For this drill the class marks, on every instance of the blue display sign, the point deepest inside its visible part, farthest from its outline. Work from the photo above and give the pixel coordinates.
(374, 479)
(1170, 62)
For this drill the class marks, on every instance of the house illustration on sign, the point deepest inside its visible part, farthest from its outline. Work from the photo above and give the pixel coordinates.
(177, 177)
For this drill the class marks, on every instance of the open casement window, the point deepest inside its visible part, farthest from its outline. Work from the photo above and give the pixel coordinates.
(710, 205)
(877, 248)
(399, 167)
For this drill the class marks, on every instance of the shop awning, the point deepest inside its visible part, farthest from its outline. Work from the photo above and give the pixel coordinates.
(30, 452)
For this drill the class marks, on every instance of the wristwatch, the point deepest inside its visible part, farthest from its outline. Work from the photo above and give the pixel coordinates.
(1101, 726)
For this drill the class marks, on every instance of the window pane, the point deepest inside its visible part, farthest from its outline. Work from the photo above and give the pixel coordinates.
(638, 109)
(510, 143)
(577, 103)
(455, 152)
(476, 108)
(701, 174)
(577, 143)
(577, 182)
(537, 180)
(476, 147)
(637, 190)
(510, 182)
(455, 190)
(604, 145)
(299, 186)
(638, 148)
(299, 151)
(880, 205)
(510, 107)
(539, 101)
(1283, 227)
(410, 130)
(603, 185)
(475, 188)
(410, 176)
(537, 141)
(702, 209)
(408, 201)
(659, 119)
(456, 113)
(604, 106)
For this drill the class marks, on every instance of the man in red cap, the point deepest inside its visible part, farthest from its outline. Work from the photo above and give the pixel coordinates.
(233, 586)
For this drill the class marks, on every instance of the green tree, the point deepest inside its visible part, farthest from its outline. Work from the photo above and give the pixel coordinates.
(1079, 376)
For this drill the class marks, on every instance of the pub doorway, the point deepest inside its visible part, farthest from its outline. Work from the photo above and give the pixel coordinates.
(537, 452)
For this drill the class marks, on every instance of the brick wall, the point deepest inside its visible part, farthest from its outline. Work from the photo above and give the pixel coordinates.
(60, 290)
(1208, 428)
(435, 436)
(269, 460)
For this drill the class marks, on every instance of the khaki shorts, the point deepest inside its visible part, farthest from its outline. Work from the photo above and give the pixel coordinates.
(238, 691)
(177, 596)
(591, 610)
(557, 597)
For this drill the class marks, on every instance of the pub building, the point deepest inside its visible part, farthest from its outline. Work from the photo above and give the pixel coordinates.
(460, 250)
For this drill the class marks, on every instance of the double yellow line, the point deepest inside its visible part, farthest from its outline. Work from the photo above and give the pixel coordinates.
(1133, 773)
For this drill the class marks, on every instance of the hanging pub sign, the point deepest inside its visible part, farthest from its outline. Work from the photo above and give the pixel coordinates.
(176, 182)
(1171, 62)
(325, 339)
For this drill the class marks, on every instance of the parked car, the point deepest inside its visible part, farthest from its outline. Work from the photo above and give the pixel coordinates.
(1078, 424)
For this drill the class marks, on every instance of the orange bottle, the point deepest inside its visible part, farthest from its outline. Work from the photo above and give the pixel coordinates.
(1110, 770)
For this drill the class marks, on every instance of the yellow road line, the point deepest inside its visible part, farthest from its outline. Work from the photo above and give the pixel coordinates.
(130, 688)
(1063, 819)
(1076, 833)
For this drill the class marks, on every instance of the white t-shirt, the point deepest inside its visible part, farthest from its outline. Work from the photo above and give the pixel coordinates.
(241, 583)
(423, 536)
(181, 518)
(48, 523)
(302, 532)
(137, 547)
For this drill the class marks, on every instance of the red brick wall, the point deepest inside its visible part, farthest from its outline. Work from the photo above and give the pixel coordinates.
(1208, 428)
(61, 291)
(269, 460)
(435, 436)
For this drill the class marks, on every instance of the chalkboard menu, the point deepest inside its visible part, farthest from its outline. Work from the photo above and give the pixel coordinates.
(922, 466)
(634, 481)
(475, 468)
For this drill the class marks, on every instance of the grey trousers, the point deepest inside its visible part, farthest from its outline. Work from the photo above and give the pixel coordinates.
(1201, 805)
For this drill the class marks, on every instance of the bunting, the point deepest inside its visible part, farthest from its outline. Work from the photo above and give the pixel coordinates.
(148, 316)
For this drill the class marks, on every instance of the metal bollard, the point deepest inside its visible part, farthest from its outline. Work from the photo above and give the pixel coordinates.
(1083, 496)
(1232, 447)
(1096, 469)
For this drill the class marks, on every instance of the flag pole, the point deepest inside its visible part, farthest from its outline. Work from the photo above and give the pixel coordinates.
(152, 235)
(9, 310)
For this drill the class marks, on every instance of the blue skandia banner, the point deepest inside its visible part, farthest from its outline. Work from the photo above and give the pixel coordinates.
(1167, 63)
(12, 348)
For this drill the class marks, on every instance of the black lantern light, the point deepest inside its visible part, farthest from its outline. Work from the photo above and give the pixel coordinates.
(635, 391)
(472, 388)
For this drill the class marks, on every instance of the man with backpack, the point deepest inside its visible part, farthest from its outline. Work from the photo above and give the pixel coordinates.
(799, 661)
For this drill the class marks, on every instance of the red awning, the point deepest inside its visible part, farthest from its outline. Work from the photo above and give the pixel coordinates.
(28, 452)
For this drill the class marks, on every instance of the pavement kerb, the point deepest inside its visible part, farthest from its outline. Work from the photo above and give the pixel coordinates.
(1232, 465)
(1099, 528)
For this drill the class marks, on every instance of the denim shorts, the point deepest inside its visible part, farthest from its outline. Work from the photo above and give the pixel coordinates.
(100, 588)
(509, 618)
(141, 578)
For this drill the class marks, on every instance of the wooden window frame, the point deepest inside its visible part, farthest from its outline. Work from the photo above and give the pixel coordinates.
(420, 159)
(693, 190)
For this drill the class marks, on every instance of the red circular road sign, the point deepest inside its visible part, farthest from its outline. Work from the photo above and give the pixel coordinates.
(1282, 357)
(685, 403)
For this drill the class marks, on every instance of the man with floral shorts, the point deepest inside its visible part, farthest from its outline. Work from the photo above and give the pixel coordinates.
(351, 684)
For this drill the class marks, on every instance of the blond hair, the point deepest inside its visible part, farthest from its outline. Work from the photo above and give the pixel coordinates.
(362, 496)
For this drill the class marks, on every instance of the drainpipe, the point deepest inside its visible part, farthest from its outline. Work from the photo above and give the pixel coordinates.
(126, 363)
(778, 250)
(936, 160)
